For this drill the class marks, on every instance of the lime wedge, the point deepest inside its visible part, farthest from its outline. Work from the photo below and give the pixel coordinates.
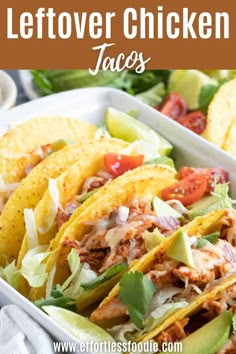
(79, 326)
(188, 83)
(180, 249)
(163, 209)
(122, 126)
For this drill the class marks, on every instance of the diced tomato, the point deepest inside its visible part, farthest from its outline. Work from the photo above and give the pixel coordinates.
(117, 164)
(195, 121)
(174, 106)
(213, 175)
(188, 190)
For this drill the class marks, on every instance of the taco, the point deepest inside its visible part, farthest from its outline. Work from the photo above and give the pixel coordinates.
(106, 234)
(221, 113)
(66, 194)
(207, 325)
(32, 188)
(29, 143)
(171, 276)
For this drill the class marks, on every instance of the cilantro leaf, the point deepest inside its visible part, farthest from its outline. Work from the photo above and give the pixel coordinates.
(108, 274)
(206, 95)
(136, 291)
(212, 238)
(57, 299)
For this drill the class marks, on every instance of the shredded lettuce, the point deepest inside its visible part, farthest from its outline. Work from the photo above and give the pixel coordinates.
(57, 298)
(31, 229)
(74, 264)
(11, 274)
(83, 276)
(123, 333)
(80, 273)
(52, 207)
(163, 296)
(161, 160)
(221, 191)
(108, 274)
(33, 270)
(152, 239)
(148, 149)
(50, 279)
(161, 313)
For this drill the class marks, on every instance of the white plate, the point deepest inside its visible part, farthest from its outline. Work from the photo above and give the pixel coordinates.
(90, 105)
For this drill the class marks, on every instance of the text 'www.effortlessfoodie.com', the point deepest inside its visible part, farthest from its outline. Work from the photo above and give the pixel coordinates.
(116, 347)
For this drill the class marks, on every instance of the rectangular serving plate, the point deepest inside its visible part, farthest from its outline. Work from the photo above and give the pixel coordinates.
(90, 104)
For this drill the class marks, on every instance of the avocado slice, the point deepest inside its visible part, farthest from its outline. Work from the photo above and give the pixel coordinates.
(188, 84)
(163, 209)
(206, 205)
(180, 249)
(209, 338)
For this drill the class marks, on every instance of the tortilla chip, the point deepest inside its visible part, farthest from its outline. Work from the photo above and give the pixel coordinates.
(145, 181)
(36, 132)
(31, 190)
(221, 113)
(200, 226)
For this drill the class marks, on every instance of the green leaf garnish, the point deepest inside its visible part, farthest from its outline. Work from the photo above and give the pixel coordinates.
(57, 299)
(212, 238)
(136, 291)
(108, 274)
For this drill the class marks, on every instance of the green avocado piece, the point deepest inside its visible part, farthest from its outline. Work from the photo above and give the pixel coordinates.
(163, 209)
(209, 338)
(204, 206)
(188, 84)
(180, 249)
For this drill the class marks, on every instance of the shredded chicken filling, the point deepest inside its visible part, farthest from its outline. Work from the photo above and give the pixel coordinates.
(226, 300)
(119, 241)
(91, 183)
(212, 262)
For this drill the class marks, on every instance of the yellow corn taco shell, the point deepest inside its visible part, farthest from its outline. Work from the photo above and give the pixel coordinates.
(200, 226)
(221, 113)
(230, 141)
(147, 180)
(211, 294)
(69, 184)
(32, 188)
(28, 136)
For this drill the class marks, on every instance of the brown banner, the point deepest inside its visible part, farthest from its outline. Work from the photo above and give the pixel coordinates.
(62, 34)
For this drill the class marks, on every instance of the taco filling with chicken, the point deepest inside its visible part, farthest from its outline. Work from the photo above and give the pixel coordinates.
(186, 265)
